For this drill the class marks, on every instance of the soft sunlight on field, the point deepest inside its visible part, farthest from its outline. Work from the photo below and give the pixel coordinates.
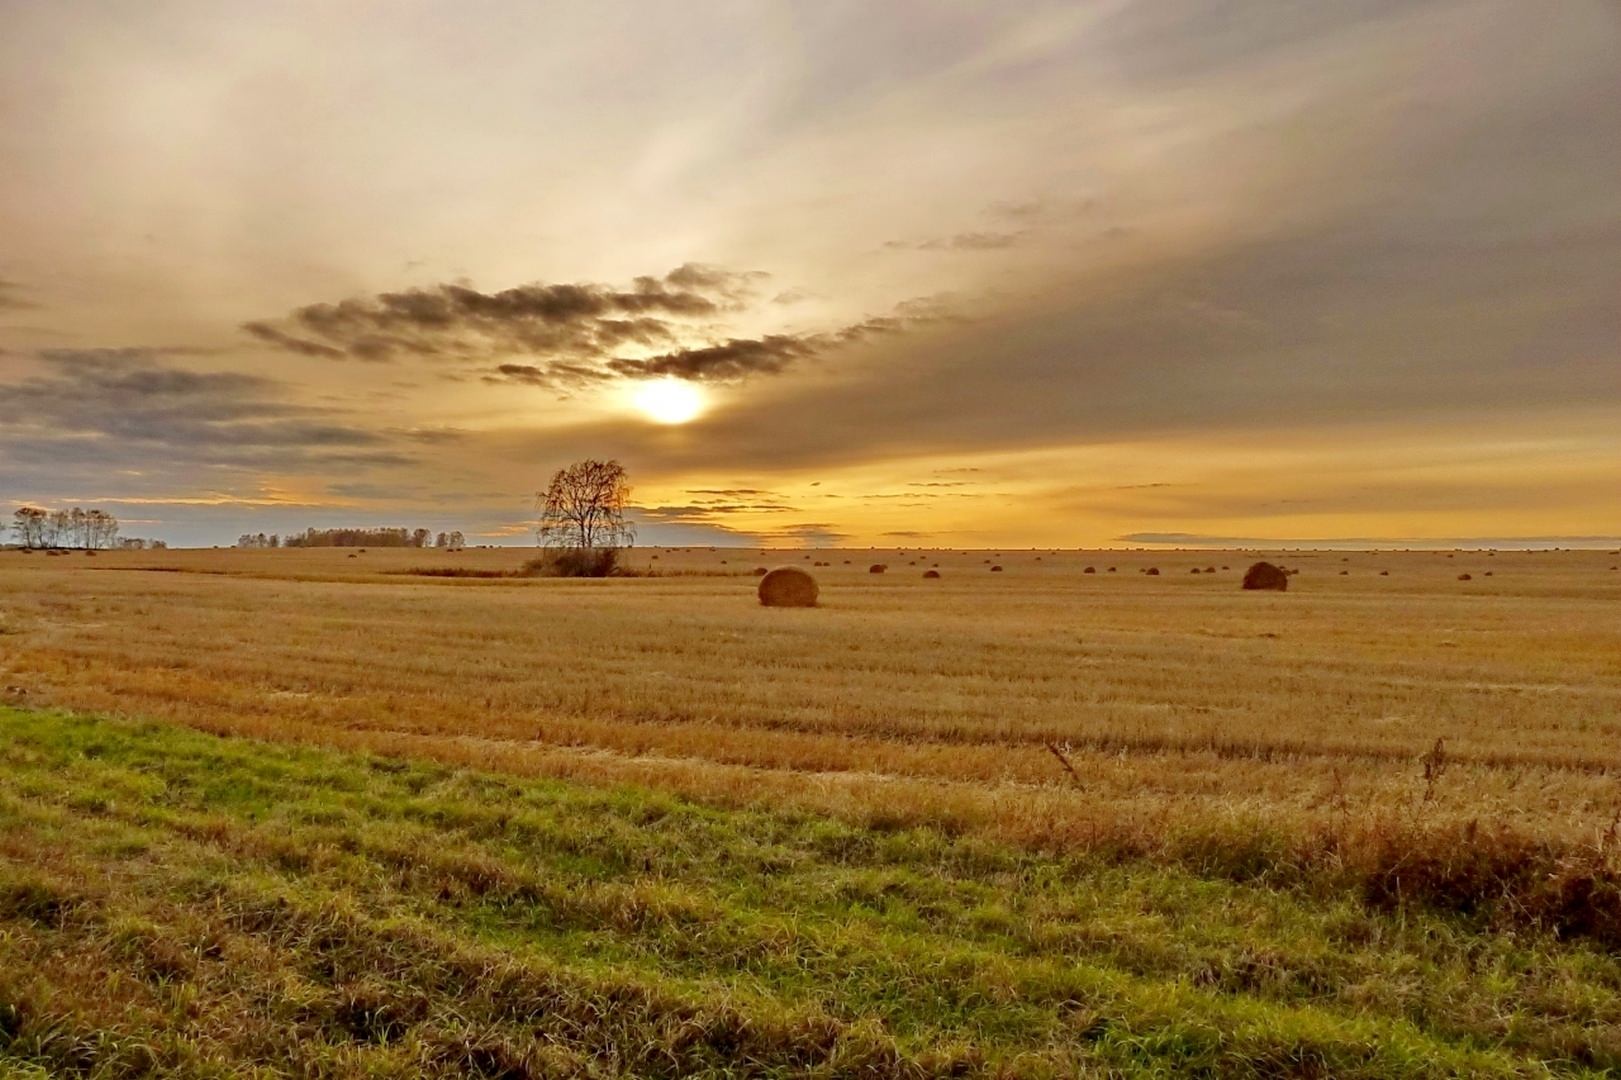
(898, 698)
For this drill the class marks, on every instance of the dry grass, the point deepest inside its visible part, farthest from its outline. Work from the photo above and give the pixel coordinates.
(1183, 700)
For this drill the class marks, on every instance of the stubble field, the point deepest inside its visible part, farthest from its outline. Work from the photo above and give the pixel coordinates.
(1433, 760)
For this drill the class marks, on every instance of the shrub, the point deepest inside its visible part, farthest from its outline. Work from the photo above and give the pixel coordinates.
(575, 563)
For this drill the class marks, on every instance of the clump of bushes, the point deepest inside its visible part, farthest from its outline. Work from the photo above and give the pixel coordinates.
(576, 563)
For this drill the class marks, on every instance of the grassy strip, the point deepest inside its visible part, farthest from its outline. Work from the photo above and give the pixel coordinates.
(175, 899)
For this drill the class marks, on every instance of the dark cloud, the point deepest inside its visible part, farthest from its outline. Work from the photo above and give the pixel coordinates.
(808, 534)
(734, 359)
(132, 407)
(728, 361)
(555, 320)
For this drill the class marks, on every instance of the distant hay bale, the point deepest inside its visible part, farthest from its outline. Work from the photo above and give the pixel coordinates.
(1152, 571)
(1264, 575)
(877, 568)
(1345, 573)
(1466, 577)
(931, 573)
(1195, 570)
(1211, 569)
(1111, 569)
(1090, 570)
(1384, 573)
(788, 586)
(760, 571)
(1487, 574)
(996, 569)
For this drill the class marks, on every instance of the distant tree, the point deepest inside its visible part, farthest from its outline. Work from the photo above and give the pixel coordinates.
(100, 529)
(58, 529)
(583, 508)
(441, 541)
(28, 526)
(456, 541)
(419, 538)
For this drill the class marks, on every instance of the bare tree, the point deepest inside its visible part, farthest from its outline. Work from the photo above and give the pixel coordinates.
(100, 529)
(58, 529)
(584, 507)
(28, 523)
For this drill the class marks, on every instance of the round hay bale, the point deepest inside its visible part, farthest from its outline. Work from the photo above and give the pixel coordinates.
(931, 573)
(788, 586)
(1152, 571)
(1211, 569)
(1345, 573)
(1195, 570)
(996, 569)
(760, 571)
(1466, 577)
(1264, 575)
(877, 568)
(1090, 570)
(1384, 573)
(1111, 569)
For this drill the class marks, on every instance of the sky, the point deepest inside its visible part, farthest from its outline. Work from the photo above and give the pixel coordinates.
(1124, 272)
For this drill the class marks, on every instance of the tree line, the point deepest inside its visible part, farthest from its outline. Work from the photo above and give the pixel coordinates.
(90, 530)
(356, 537)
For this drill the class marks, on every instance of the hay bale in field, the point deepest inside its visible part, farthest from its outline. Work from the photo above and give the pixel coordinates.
(1264, 575)
(1466, 577)
(931, 573)
(1195, 570)
(877, 568)
(1345, 573)
(1152, 571)
(1111, 569)
(1211, 569)
(996, 569)
(1090, 570)
(760, 571)
(788, 586)
(1384, 573)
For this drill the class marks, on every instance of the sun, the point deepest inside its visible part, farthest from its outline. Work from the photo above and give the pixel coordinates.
(670, 401)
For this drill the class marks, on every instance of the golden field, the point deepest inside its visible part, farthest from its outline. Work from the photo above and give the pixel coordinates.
(1179, 700)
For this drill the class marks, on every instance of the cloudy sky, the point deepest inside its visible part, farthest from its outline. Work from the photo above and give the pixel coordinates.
(938, 273)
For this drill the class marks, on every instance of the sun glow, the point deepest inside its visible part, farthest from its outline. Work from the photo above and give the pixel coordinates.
(670, 401)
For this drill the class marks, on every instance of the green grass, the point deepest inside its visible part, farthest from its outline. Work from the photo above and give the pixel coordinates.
(177, 904)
